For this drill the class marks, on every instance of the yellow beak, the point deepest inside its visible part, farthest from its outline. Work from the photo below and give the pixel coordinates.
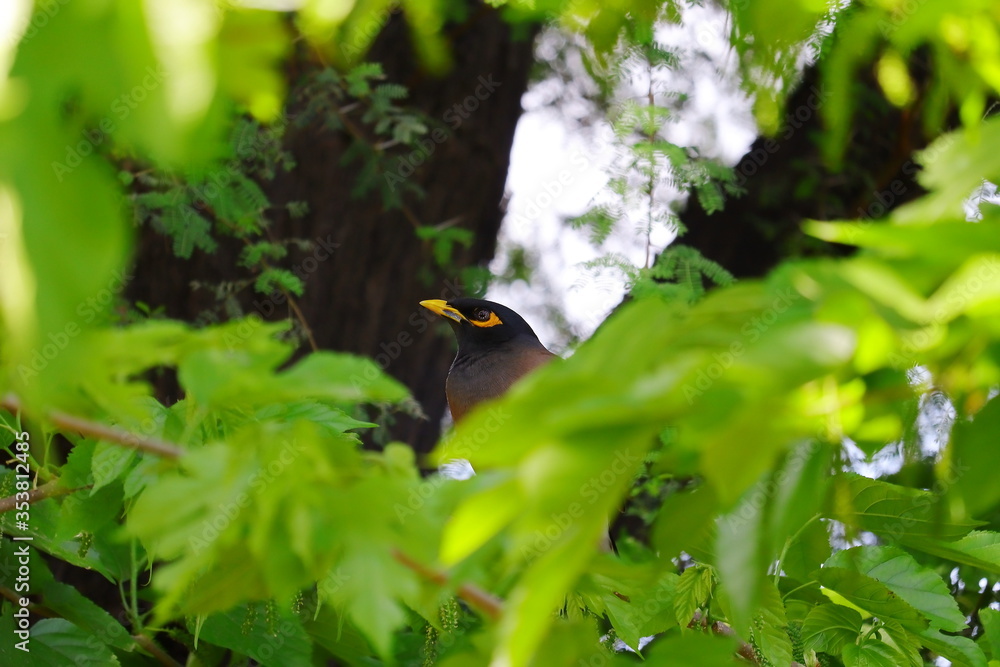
(439, 307)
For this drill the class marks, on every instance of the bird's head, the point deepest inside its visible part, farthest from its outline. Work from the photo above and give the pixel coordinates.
(481, 324)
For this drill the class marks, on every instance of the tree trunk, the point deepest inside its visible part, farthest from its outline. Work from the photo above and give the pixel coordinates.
(787, 181)
(364, 297)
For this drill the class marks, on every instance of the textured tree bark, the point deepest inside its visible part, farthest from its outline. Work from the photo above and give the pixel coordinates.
(787, 182)
(363, 298)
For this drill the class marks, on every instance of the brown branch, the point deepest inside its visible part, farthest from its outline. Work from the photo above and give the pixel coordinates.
(50, 490)
(103, 432)
(150, 646)
(358, 135)
(35, 609)
(294, 306)
(488, 604)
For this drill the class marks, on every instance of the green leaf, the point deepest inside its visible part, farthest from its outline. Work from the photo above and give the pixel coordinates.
(800, 488)
(638, 599)
(828, 627)
(70, 604)
(741, 549)
(271, 280)
(769, 628)
(80, 512)
(948, 241)
(872, 654)
(188, 229)
(371, 591)
(961, 651)
(110, 461)
(331, 631)
(10, 654)
(43, 529)
(771, 519)
(77, 471)
(975, 456)
(216, 378)
(808, 551)
(990, 618)
(871, 596)
(895, 512)
(571, 642)
(528, 608)
(691, 649)
(980, 548)
(684, 521)
(480, 517)
(57, 642)
(332, 419)
(693, 589)
(954, 165)
(921, 587)
(907, 643)
(266, 636)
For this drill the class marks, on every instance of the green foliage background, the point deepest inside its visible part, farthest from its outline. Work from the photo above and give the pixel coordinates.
(245, 522)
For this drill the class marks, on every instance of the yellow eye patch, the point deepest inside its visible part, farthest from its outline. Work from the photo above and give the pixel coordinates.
(492, 322)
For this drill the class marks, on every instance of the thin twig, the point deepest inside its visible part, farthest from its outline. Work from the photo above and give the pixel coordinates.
(358, 135)
(99, 431)
(50, 490)
(479, 599)
(302, 320)
(292, 303)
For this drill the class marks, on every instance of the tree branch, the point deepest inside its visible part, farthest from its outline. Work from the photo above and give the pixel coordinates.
(158, 653)
(50, 490)
(100, 431)
(479, 599)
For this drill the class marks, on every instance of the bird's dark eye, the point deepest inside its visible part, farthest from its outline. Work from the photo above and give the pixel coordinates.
(481, 314)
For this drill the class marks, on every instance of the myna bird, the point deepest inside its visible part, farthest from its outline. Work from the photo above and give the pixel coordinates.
(496, 347)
